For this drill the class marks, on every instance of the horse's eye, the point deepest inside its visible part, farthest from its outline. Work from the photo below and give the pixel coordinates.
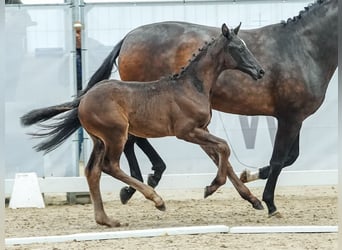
(241, 49)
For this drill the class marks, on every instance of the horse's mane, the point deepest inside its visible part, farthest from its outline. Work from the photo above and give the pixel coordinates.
(195, 57)
(300, 15)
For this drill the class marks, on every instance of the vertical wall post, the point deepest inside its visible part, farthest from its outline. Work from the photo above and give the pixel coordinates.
(2, 126)
(78, 34)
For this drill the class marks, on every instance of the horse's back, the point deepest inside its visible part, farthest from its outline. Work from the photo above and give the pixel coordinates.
(167, 46)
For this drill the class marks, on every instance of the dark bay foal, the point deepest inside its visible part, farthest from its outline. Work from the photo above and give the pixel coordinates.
(172, 106)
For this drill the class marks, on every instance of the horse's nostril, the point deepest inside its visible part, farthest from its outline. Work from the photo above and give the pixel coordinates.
(262, 72)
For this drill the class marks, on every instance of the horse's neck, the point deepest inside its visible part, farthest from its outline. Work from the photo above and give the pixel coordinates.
(319, 34)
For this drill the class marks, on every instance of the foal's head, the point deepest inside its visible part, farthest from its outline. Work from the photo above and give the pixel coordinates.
(243, 59)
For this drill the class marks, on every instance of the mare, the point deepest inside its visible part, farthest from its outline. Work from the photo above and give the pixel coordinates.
(299, 56)
(178, 105)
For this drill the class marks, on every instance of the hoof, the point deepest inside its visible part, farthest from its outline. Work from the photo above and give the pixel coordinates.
(275, 214)
(258, 205)
(161, 207)
(111, 223)
(207, 192)
(243, 176)
(151, 181)
(126, 194)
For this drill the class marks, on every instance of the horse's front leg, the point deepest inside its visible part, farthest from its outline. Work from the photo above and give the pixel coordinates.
(93, 175)
(219, 151)
(262, 173)
(286, 136)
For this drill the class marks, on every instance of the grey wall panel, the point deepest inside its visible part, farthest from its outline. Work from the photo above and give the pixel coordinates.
(39, 66)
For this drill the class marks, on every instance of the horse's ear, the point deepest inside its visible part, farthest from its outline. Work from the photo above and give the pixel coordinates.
(225, 31)
(236, 30)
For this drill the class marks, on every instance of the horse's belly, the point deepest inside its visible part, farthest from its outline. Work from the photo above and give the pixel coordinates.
(151, 127)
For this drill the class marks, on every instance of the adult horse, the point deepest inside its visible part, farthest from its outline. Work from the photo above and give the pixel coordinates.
(299, 56)
(172, 106)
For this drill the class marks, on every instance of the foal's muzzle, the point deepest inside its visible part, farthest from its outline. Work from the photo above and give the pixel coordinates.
(261, 73)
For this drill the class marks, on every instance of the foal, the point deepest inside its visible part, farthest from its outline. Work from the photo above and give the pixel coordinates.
(173, 106)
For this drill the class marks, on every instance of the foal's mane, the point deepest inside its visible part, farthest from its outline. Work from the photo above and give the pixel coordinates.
(300, 15)
(195, 57)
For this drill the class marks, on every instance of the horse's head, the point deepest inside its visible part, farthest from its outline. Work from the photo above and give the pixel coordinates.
(243, 59)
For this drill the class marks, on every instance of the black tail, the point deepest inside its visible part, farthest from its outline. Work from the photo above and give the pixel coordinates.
(68, 123)
(44, 114)
(105, 70)
(58, 132)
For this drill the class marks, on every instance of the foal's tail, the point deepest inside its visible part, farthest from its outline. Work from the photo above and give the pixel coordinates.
(67, 123)
(63, 127)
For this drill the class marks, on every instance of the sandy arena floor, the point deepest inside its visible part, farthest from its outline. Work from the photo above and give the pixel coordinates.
(298, 206)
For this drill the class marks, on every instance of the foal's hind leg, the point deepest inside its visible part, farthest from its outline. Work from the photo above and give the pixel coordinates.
(114, 145)
(93, 175)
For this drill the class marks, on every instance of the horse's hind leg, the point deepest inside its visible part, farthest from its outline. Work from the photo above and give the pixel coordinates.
(93, 175)
(127, 192)
(158, 165)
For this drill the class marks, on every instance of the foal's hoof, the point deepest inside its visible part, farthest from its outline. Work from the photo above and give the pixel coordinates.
(207, 192)
(151, 180)
(126, 194)
(275, 214)
(258, 205)
(111, 223)
(161, 207)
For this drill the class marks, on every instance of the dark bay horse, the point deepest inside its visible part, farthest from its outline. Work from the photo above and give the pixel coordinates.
(299, 56)
(178, 105)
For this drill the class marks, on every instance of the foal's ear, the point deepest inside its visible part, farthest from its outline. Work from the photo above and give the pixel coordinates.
(236, 30)
(225, 31)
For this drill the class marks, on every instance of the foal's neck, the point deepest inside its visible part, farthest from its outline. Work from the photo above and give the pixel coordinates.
(204, 69)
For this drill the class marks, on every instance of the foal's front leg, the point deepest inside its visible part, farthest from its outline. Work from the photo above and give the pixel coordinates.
(218, 150)
(203, 138)
(244, 192)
